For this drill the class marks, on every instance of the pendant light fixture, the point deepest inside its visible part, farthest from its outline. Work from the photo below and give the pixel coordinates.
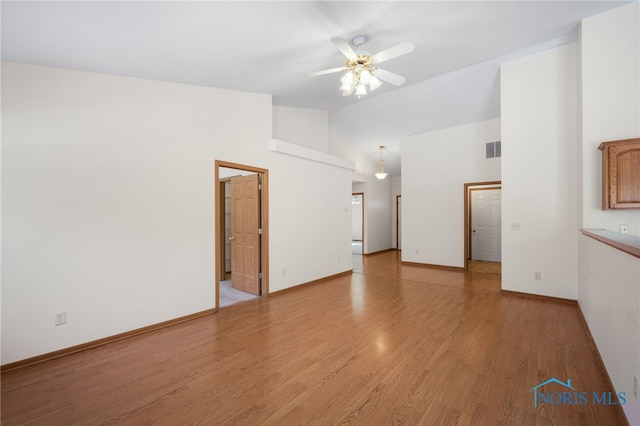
(380, 174)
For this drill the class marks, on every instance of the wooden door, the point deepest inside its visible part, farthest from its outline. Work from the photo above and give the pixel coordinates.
(245, 236)
(486, 229)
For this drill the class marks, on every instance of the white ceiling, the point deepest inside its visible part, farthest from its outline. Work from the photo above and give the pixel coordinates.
(271, 47)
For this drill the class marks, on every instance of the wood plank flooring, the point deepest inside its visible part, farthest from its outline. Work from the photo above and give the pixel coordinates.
(482, 266)
(398, 344)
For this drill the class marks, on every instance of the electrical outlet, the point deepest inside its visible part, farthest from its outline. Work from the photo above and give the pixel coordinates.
(624, 229)
(537, 276)
(284, 271)
(515, 226)
(60, 318)
(338, 259)
(417, 251)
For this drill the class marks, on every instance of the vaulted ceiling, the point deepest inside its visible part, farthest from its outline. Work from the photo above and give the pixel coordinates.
(452, 77)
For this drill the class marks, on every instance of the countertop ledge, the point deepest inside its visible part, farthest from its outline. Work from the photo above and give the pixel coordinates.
(629, 244)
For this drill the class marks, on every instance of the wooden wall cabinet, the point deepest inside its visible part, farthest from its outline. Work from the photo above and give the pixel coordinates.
(621, 174)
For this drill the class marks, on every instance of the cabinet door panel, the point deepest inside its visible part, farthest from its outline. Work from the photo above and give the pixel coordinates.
(621, 174)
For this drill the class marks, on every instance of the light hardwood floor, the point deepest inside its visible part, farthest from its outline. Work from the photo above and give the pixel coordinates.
(398, 344)
(481, 266)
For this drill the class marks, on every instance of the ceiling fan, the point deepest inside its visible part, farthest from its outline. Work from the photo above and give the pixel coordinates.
(361, 66)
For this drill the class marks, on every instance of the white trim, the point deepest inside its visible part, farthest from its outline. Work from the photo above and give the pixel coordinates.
(287, 148)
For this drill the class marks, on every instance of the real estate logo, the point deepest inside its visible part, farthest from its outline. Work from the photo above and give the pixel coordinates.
(568, 395)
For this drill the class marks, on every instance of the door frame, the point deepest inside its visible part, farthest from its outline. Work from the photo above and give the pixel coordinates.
(398, 197)
(495, 184)
(219, 227)
(222, 256)
(362, 218)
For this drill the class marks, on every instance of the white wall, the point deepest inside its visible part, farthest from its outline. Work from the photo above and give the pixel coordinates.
(341, 146)
(539, 173)
(609, 296)
(302, 126)
(609, 280)
(310, 222)
(435, 167)
(377, 215)
(610, 91)
(108, 203)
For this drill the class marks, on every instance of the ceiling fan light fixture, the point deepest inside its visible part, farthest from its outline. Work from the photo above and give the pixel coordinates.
(365, 77)
(374, 83)
(361, 66)
(347, 78)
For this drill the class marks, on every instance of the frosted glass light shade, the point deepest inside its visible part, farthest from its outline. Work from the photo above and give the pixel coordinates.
(375, 83)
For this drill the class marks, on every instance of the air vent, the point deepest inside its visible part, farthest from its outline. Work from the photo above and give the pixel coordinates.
(494, 149)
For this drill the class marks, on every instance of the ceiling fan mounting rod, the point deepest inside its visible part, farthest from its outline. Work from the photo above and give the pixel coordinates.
(359, 41)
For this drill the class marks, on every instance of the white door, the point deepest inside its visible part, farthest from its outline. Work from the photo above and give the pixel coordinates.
(486, 225)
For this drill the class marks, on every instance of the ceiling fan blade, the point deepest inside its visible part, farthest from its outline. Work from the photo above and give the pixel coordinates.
(344, 47)
(389, 77)
(329, 71)
(393, 52)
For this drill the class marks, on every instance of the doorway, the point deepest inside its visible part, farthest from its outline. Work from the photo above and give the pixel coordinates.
(357, 231)
(398, 222)
(482, 223)
(242, 234)
(357, 222)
